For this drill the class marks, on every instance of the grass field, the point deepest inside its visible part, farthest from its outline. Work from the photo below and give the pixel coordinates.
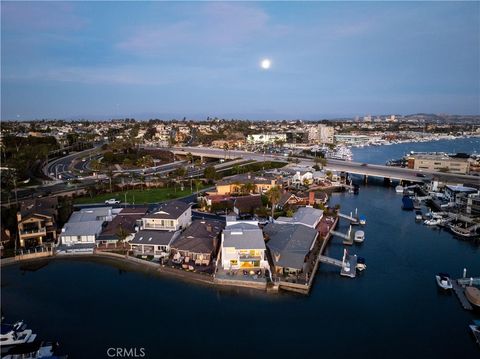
(137, 196)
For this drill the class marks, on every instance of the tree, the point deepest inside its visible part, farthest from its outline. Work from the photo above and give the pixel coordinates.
(248, 187)
(210, 173)
(273, 195)
(225, 148)
(122, 234)
(306, 182)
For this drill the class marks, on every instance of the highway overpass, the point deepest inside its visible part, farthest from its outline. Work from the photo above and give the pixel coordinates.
(369, 170)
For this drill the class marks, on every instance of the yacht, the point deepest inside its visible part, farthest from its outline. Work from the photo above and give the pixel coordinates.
(15, 334)
(359, 236)
(432, 222)
(399, 189)
(443, 281)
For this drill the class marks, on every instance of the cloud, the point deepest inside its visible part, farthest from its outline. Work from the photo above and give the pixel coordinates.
(40, 16)
(211, 25)
(116, 75)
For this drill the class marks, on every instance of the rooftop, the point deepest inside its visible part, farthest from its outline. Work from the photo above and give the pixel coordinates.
(169, 210)
(243, 236)
(289, 243)
(159, 238)
(308, 216)
(199, 237)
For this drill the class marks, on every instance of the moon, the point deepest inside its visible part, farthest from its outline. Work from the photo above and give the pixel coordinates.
(265, 64)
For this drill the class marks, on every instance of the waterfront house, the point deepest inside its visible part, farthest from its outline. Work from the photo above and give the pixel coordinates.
(155, 243)
(289, 246)
(83, 228)
(122, 227)
(452, 192)
(307, 216)
(243, 247)
(199, 242)
(169, 216)
(36, 221)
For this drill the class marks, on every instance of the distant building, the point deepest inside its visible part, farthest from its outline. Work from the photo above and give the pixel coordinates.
(266, 138)
(438, 162)
(352, 139)
(294, 137)
(321, 134)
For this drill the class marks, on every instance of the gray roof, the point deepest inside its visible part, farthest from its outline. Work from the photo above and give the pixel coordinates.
(169, 210)
(243, 236)
(87, 228)
(90, 214)
(289, 243)
(304, 215)
(159, 238)
(200, 237)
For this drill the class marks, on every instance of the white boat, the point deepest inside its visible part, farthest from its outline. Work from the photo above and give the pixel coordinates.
(443, 281)
(359, 236)
(399, 189)
(361, 264)
(15, 334)
(34, 350)
(432, 222)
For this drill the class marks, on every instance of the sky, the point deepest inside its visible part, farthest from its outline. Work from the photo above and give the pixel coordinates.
(100, 60)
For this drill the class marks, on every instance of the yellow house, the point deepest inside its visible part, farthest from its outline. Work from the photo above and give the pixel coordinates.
(241, 183)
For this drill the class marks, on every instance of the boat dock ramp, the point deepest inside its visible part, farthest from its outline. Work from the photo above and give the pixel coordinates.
(348, 265)
(347, 237)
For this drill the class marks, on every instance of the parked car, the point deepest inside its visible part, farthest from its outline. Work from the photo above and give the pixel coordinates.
(420, 175)
(112, 201)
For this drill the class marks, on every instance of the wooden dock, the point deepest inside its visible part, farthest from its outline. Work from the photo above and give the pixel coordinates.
(330, 260)
(347, 237)
(460, 292)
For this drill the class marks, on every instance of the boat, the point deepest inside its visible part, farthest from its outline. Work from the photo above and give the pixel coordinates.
(407, 203)
(463, 232)
(33, 350)
(359, 236)
(362, 220)
(443, 281)
(418, 215)
(473, 296)
(361, 264)
(15, 334)
(432, 222)
(399, 189)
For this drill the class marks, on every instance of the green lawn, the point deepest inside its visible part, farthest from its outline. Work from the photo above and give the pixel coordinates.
(137, 196)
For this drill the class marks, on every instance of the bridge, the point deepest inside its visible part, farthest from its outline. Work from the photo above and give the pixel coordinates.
(363, 169)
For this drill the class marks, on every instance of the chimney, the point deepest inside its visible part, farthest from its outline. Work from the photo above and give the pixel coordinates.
(311, 198)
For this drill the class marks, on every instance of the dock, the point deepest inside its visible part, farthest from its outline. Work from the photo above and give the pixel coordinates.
(330, 260)
(349, 268)
(347, 237)
(351, 218)
(460, 292)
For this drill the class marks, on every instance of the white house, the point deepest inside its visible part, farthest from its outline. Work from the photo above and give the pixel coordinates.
(243, 247)
(169, 216)
(307, 216)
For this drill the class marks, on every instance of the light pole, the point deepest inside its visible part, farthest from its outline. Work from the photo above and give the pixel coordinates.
(125, 203)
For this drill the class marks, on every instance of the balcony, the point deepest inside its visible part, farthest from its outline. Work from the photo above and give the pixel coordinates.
(33, 232)
(247, 257)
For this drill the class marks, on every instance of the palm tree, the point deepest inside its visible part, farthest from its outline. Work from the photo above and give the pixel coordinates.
(273, 195)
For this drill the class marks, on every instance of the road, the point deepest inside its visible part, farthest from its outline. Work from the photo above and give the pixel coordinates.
(335, 165)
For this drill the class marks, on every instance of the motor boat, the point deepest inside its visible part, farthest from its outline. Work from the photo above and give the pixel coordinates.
(475, 328)
(361, 264)
(432, 222)
(443, 281)
(399, 189)
(418, 215)
(15, 334)
(362, 220)
(359, 236)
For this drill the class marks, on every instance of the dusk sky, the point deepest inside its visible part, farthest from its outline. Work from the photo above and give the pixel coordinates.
(167, 60)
